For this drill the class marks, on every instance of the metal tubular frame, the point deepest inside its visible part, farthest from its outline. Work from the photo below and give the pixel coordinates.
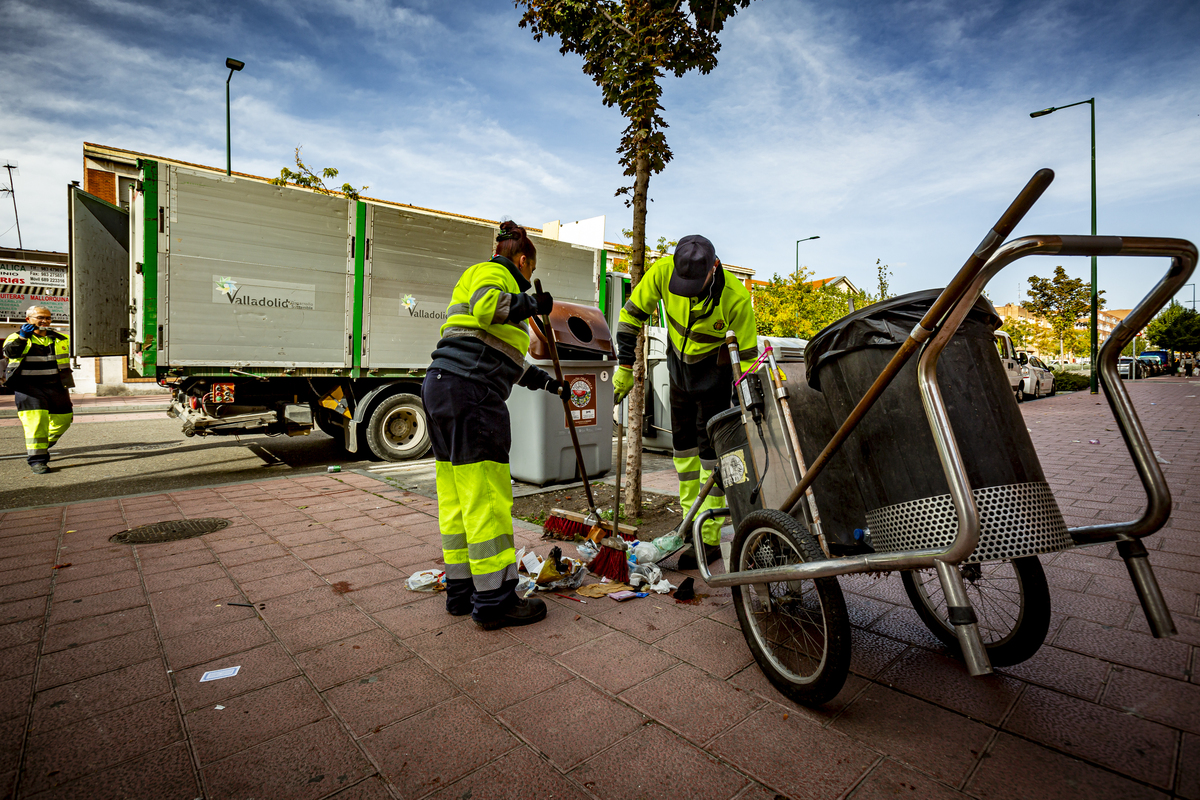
(974, 277)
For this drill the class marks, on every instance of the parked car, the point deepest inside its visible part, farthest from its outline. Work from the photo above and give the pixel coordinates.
(1164, 358)
(1008, 357)
(1128, 367)
(1154, 365)
(1036, 377)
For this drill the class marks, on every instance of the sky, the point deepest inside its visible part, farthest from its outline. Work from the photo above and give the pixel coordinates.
(894, 131)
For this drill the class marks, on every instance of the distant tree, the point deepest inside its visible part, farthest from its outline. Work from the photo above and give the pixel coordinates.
(1175, 328)
(1061, 301)
(627, 47)
(304, 176)
(792, 306)
(884, 274)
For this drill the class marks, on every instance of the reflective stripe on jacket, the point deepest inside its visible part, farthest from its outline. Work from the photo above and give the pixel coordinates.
(489, 304)
(42, 355)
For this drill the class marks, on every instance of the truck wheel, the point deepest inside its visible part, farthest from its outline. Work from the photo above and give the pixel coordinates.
(323, 419)
(398, 429)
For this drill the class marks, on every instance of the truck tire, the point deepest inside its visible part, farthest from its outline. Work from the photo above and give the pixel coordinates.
(397, 429)
(323, 419)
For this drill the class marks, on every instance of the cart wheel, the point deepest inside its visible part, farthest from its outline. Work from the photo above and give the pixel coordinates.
(798, 631)
(1010, 598)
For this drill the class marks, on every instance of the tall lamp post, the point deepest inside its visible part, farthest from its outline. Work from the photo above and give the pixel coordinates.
(1193, 293)
(234, 66)
(1095, 303)
(798, 241)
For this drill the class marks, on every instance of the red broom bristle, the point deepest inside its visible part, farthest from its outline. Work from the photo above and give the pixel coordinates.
(610, 563)
(562, 528)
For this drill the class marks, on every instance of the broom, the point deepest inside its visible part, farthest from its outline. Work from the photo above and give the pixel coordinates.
(604, 564)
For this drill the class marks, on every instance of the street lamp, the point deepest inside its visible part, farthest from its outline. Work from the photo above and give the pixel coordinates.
(234, 66)
(1095, 303)
(1193, 293)
(798, 241)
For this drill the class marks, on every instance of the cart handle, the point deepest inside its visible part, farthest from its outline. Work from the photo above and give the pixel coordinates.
(960, 284)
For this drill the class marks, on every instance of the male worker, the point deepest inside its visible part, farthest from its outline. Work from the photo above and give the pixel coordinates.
(39, 373)
(703, 302)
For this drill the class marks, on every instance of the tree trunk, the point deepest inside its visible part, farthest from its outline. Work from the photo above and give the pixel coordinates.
(637, 397)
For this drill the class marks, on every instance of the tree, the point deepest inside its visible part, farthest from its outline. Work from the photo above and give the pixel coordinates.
(1175, 328)
(627, 47)
(1061, 301)
(884, 274)
(303, 176)
(792, 306)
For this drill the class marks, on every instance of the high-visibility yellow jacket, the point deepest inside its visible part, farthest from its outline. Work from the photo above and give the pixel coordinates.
(485, 336)
(696, 328)
(37, 359)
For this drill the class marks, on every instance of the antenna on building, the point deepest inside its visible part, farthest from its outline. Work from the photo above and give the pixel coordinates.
(11, 166)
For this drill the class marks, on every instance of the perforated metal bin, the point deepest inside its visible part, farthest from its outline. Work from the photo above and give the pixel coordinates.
(892, 452)
(541, 450)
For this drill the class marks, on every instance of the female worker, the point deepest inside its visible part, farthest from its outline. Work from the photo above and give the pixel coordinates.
(479, 358)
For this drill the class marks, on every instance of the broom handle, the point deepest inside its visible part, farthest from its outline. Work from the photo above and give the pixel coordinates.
(548, 332)
(620, 469)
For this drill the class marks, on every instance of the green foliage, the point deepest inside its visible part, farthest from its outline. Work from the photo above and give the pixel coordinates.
(1175, 328)
(1071, 381)
(884, 274)
(1136, 346)
(1061, 301)
(791, 306)
(304, 176)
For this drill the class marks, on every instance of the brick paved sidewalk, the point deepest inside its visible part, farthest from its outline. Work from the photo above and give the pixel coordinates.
(351, 686)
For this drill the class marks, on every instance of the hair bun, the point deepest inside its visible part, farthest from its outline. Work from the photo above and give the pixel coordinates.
(510, 230)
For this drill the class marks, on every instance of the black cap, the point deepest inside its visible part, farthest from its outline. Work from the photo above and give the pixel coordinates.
(694, 260)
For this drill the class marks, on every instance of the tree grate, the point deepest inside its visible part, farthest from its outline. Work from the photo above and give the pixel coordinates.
(170, 531)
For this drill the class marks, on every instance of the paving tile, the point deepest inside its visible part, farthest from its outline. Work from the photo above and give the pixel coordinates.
(281, 585)
(15, 696)
(191, 619)
(412, 754)
(80, 570)
(754, 681)
(1187, 781)
(92, 744)
(903, 624)
(561, 630)
(153, 563)
(301, 765)
(251, 539)
(496, 780)
(301, 604)
(193, 594)
(73, 664)
(1019, 770)
(201, 646)
(410, 619)
(257, 570)
(95, 605)
(381, 596)
(161, 581)
(1154, 697)
(341, 561)
(1104, 610)
(29, 608)
(655, 763)
(1139, 748)
(709, 645)
(251, 718)
(946, 682)
(367, 575)
(164, 774)
(12, 734)
(350, 658)
(890, 780)
(648, 619)
(871, 653)
(508, 676)
(1187, 627)
(25, 632)
(457, 643)
(616, 662)
(712, 705)
(554, 722)
(1062, 670)
(25, 590)
(17, 661)
(101, 583)
(931, 739)
(91, 697)
(306, 633)
(389, 695)
(261, 666)
(1163, 656)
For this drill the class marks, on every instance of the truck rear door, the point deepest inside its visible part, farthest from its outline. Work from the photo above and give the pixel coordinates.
(99, 267)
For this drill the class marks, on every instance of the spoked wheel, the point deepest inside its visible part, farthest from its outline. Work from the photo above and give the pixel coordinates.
(1010, 598)
(798, 631)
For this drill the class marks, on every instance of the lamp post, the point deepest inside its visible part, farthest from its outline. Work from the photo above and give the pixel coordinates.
(1095, 298)
(234, 66)
(798, 241)
(1193, 293)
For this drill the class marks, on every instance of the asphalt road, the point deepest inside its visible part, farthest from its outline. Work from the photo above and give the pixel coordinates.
(135, 453)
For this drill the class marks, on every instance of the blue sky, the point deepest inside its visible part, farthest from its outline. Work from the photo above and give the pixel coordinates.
(893, 130)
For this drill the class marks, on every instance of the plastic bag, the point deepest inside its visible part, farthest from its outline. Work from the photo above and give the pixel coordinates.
(668, 544)
(588, 552)
(645, 553)
(427, 580)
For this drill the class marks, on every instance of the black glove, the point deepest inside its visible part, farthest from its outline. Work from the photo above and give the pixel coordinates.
(556, 387)
(26, 330)
(544, 302)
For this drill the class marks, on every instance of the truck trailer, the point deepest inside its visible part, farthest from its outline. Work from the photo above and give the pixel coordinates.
(272, 309)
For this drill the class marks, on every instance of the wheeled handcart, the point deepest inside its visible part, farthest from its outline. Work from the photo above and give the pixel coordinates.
(829, 470)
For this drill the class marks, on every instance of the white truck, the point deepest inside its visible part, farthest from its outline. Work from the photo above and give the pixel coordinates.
(270, 309)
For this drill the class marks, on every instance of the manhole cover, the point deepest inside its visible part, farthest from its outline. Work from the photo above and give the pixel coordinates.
(170, 531)
(155, 446)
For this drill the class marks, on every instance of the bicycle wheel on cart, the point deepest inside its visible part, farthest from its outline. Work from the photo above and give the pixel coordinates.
(798, 631)
(1010, 598)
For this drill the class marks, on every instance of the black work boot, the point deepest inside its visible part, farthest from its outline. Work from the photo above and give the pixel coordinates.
(687, 559)
(40, 468)
(523, 612)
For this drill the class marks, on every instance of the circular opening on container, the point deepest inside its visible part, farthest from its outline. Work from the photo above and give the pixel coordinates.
(169, 531)
(580, 329)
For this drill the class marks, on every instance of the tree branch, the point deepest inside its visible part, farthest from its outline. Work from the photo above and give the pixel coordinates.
(604, 11)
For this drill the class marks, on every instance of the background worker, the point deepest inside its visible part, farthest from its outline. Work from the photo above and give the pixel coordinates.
(479, 358)
(703, 302)
(39, 373)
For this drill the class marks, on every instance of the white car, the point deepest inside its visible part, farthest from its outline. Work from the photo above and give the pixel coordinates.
(1008, 358)
(1036, 377)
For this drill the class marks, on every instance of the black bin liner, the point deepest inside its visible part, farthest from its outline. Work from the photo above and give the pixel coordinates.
(892, 453)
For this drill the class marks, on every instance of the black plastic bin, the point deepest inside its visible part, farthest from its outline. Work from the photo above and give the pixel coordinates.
(735, 465)
(892, 453)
